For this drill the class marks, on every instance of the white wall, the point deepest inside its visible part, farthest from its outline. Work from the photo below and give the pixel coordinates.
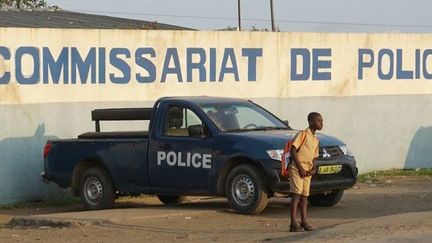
(380, 105)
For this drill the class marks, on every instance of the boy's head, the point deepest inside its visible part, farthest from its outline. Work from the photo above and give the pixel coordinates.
(315, 121)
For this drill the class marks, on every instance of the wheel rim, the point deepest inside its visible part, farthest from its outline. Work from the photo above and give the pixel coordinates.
(243, 190)
(93, 190)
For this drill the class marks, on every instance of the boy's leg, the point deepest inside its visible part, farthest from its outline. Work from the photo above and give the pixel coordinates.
(295, 198)
(303, 204)
(296, 187)
(303, 208)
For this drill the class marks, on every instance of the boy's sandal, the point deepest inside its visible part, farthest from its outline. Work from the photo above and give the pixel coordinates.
(295, 228)
(306, 226)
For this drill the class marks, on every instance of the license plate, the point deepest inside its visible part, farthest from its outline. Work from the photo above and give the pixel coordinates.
(329, 169)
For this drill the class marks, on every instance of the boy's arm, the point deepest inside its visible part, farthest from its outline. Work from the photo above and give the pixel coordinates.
(296, 161)
(313, 171)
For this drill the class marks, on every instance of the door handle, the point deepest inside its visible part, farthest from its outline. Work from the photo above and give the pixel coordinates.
(165, 146)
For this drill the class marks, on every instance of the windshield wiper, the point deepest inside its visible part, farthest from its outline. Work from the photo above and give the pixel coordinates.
(256, 129)
(268, 128)
(237, 130)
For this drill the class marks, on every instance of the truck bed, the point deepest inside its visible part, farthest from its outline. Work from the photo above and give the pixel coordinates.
(114, 135)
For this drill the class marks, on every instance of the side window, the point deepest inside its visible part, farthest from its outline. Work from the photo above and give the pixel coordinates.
(182, 122)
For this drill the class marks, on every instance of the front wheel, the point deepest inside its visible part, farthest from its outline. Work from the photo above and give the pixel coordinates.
(245, 190)
(168, 199)
(326, 199)
(96, 189)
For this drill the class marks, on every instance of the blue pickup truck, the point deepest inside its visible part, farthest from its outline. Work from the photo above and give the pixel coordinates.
(194, 146)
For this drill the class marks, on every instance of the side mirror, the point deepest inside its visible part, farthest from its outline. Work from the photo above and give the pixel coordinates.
(286, 123)
(196, 131)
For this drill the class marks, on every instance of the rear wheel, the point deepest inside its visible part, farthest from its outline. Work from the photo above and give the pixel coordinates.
(326, 199)
(168, 199)
(96, 189)
(245, 190)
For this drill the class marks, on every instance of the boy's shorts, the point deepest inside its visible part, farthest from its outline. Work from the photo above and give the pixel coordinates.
(298, 185)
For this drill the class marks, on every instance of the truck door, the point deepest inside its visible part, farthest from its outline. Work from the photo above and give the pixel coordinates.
(181, 157)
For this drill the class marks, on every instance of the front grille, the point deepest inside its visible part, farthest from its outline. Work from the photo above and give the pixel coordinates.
(330, 152)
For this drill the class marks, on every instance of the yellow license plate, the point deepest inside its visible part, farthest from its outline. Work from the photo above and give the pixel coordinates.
(329, 169)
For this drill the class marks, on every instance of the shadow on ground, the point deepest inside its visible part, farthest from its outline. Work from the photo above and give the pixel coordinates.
(355, 204)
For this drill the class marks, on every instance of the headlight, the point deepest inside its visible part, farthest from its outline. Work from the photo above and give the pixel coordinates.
(346, 150)
(275, 154)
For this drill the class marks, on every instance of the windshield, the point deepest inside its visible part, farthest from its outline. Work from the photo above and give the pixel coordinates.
(239, 117)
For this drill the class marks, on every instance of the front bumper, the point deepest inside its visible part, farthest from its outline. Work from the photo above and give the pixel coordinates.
(344, 179)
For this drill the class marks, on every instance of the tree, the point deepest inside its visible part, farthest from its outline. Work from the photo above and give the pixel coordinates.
(21, 4)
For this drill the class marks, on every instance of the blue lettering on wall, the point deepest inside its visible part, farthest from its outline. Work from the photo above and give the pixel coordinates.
(145, 63)
(252, 54)
(73, 66)
(5, 53)
(70, 64)
(400, 73)
(229, 55)
(190, 52)
(417, 63)
(212, 64)
(83, 66)
(426, 54)
(305, 55)
(102, 66)
(381, 54)
(362, 63)
(53, 67)
(34, 53)
(171, 54)
(391, 64)
(318, 64)
(121, 65)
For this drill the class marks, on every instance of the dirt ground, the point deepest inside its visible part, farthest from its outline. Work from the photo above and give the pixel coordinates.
(394, 210)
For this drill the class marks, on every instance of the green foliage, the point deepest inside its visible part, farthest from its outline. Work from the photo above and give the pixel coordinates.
(229, 28)
(22, 4)
(378, 175)
(254, 28)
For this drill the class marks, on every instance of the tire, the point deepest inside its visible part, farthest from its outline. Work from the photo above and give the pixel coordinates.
(326, 199)
(96, 189)
(245, 190)
(168, 199)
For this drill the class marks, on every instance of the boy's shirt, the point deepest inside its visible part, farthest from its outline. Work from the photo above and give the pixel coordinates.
(309, 149)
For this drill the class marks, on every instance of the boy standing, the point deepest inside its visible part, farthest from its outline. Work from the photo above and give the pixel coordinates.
(304, 151)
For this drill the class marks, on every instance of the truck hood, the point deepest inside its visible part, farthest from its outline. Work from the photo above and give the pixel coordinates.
(278, 138)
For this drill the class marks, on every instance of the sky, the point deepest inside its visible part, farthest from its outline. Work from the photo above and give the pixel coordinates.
(289, 15)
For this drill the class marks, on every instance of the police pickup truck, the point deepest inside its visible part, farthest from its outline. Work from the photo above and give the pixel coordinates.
(194, 146)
